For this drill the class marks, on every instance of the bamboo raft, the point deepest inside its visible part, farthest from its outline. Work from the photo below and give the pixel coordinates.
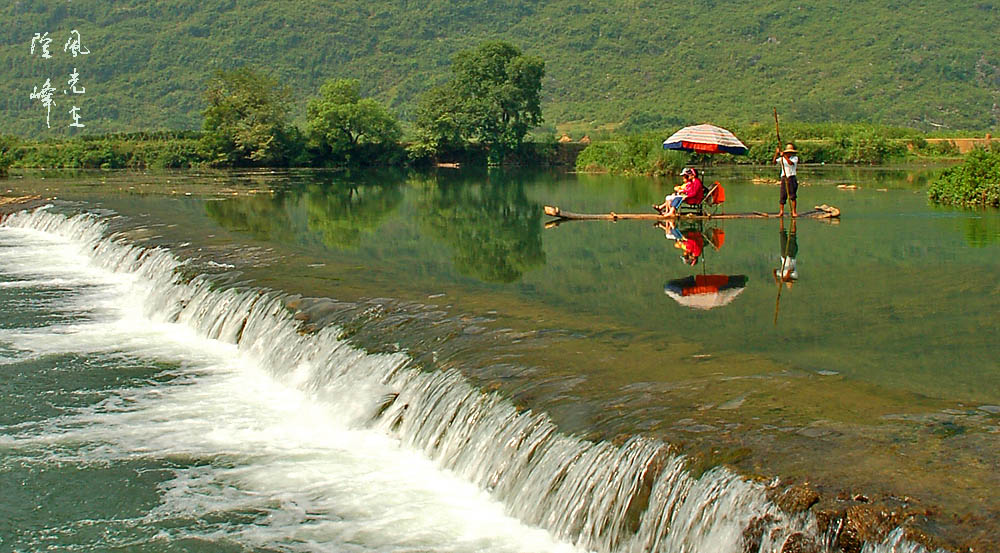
(818, 212)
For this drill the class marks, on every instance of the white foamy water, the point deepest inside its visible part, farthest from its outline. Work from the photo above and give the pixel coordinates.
(328, 448)
(314, 483)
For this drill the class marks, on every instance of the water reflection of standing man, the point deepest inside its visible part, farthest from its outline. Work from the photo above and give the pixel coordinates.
(787, 272)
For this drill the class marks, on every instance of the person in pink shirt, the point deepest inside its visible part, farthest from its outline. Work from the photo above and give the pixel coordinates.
(692, 192)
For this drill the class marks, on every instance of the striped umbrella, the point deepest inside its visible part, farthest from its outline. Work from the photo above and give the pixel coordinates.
(705, 139)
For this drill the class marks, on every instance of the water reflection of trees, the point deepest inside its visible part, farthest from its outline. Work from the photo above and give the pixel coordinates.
(264, 217)
(982, 231)
(342, 212)
(340, 209)
(492, 227)
(876, 176)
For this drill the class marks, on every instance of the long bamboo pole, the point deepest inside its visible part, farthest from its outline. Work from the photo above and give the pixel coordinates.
(777, 132)
(784, 254)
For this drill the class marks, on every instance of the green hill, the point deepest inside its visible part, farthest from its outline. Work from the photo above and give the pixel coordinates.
(927, 64)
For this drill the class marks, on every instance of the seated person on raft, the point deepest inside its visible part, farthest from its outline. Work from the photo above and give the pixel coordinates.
(691, 192)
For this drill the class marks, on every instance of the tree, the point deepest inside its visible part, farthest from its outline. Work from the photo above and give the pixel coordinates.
(8, 149)
(348, 127)
(492, 98)
(246, 118)
(437, 125)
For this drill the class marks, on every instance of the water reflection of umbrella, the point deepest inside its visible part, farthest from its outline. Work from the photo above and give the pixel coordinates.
(705, 139)
(705, 291)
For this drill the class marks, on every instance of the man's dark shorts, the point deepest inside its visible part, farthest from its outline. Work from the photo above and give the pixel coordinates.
(789, 192)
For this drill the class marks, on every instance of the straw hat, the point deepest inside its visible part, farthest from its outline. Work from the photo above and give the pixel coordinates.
(790, 149)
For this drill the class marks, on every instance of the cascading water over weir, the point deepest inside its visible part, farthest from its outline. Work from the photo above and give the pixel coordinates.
(634, 497)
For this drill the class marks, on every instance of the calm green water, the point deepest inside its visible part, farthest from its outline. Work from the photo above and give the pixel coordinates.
(894, 294)
(876, 369)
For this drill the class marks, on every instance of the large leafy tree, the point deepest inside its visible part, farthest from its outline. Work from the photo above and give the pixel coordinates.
(246, 121)
(492, 98)
(438, 127)
(348, 127)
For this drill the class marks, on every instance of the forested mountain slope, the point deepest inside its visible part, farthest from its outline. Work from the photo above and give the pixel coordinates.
(642, 63)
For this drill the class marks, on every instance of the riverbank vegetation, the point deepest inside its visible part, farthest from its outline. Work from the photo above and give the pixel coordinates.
(118, 151)
(976, 182)
(345, 130)
(643, 154)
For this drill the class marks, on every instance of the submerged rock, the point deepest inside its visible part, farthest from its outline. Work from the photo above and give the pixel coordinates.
(753, 533)
(800, 543)
(798, 498)
(861, 523)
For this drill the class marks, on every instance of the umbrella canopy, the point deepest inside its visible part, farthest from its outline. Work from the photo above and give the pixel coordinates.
(705, 139)
(705, 291)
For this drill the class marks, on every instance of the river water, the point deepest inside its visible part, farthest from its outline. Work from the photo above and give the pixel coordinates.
(313, 361)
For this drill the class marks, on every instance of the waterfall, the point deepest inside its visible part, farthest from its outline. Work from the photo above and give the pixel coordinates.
(633, 497)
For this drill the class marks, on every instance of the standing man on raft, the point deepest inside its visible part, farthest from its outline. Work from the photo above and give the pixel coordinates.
(788, 160)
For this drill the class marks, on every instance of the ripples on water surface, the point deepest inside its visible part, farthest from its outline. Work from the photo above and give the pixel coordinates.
(171, 439)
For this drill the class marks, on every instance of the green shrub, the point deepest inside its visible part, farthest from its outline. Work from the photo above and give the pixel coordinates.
(634, 154)
(941, 148)
(870, 146)
(976, 182)
(759, 153)
(827, 151)
(114, 153)
(176, 154)
(599, 156)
